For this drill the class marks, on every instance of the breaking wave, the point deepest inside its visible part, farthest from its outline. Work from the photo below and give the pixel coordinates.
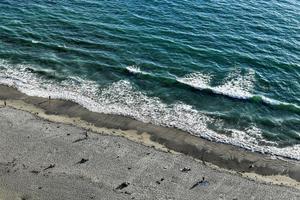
(122, 98)
(235, 86)
(135, 70)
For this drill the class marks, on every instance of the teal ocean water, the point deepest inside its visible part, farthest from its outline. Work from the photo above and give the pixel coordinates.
(227, 71)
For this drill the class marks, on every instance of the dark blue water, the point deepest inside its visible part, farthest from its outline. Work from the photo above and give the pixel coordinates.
(227, 71)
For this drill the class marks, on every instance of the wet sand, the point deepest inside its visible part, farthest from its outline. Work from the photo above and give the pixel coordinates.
(41, 150)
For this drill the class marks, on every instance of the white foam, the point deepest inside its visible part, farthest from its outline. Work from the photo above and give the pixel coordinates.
(123, 99)
(135, 70)
(196, 80)
(34, 41)
(278, 103)
(235, 85)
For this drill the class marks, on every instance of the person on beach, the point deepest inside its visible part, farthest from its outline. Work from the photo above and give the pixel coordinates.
(203, 182)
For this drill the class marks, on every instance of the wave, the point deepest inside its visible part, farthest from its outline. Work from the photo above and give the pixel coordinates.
(122, 98)
(235, 86)
(278, 104)
(34, 41)
(136, 70)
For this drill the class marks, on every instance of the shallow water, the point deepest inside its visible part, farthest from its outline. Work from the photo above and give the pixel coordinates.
(225, 70)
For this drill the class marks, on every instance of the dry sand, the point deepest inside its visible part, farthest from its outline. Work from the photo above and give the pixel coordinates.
(30, 145)
(41, 150)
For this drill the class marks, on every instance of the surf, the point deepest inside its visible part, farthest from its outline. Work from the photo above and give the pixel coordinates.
(235, 86)
(122, 98)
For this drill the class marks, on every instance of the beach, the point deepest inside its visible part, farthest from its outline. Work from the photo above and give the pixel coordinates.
(149, 99)
(53, 149)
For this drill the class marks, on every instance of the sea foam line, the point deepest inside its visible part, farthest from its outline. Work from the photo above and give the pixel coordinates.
(135, 70)
(234, 86)
(122, 98)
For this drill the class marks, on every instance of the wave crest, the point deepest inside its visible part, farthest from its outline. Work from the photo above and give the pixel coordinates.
(136, 70)
(235, 86)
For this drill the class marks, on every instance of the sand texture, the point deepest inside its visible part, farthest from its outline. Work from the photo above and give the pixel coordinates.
(45, 160)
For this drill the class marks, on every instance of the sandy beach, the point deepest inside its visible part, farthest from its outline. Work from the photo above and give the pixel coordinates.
(55, 149)
(149, 100)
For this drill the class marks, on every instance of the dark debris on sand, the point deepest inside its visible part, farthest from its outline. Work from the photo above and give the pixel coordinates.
(49, 167)
(83, 160)
(122, 186)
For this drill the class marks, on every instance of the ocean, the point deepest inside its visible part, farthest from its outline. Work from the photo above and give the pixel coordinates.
(224, 70)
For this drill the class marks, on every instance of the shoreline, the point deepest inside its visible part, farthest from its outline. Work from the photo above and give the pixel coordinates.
(249, 164)
(52, 161)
